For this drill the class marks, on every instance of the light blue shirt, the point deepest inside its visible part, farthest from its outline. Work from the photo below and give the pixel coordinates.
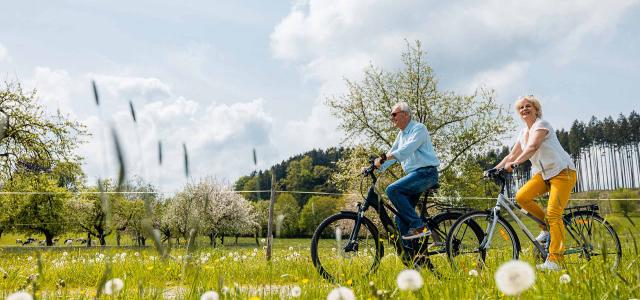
(413, 148)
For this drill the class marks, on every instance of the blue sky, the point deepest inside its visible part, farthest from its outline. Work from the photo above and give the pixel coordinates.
(227, 77)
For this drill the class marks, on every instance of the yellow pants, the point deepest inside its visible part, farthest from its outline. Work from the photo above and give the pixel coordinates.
(559, 189)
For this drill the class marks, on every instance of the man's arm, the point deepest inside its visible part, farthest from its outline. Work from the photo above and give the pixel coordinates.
(416, 138)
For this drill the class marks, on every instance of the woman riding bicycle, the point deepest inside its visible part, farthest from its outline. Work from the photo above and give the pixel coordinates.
(554, 173)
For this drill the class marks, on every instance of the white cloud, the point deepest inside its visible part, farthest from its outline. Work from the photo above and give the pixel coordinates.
(219, 137)
(4, 54)
(130, 87)
(479, 43)
(481, 35)
(506, 79)
(54, 88)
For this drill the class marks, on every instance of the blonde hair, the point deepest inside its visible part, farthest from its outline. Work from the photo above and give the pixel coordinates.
(533, 100)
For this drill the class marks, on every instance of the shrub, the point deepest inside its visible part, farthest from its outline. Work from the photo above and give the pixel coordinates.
(625, 206)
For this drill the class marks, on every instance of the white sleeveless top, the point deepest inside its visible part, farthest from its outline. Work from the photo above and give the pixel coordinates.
(550, 158)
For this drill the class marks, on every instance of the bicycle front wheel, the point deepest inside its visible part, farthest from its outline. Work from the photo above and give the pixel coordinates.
(463, 242)
(589, 237)
(340, 253)
(434, 247)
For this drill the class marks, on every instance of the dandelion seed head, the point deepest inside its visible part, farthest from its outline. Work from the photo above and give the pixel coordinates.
(113, 286)
(473, 273)
(296, 291)
(514, 277)
(21, 295)
(210, 295)
(409, 280)
(565, 278)
(341, 293)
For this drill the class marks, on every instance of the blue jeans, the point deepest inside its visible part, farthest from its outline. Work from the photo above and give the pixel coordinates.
(405, 193)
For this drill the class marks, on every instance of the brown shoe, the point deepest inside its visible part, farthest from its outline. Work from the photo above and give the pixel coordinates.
(415, 233)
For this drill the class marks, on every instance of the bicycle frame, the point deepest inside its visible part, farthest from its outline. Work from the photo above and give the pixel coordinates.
(373, 200)
(503, 203)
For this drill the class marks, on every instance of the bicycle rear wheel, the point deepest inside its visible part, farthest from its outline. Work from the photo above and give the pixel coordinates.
(463, 244)
(433, 252)
(589, 237)
(336, 257)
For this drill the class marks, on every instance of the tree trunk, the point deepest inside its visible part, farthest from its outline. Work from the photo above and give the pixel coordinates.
(236, 239)
(101, 237)
(88, 239)
(257, 233)
(48, 237)
(118, 237)
(222, 239)
(212, 239)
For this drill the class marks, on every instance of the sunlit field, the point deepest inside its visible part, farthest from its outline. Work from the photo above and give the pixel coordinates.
(240, 271)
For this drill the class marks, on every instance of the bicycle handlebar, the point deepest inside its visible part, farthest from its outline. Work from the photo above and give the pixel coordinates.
(372, 166)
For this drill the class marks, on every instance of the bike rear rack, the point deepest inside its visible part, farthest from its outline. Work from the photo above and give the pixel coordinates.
(588, 207)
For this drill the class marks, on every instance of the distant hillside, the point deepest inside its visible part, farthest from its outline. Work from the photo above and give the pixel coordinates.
(309, 171)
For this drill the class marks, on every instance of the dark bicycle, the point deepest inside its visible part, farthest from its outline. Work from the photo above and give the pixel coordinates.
(588, 236)
(348, 245)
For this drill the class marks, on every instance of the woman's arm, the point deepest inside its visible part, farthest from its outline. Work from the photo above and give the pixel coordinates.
(535, 140)
(516, 150)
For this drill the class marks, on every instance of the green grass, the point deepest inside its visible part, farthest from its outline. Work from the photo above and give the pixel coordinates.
(77, 273)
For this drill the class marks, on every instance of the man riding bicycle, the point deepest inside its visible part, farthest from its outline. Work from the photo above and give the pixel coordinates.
(413, 148)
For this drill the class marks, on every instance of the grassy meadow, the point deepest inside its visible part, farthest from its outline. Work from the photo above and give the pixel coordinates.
(240, 271)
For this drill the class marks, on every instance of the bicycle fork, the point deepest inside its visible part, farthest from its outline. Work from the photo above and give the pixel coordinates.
(486, 242)
(352, 244)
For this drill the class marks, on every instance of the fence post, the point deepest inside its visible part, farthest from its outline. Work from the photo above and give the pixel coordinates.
(270, 221)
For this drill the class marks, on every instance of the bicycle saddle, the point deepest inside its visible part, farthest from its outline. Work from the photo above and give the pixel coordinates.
(434, 188)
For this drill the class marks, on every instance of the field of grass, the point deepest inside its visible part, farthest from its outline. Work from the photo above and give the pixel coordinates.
(241, 272)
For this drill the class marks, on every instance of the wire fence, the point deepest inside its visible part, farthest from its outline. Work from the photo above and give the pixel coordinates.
(285, 191)
(253, 191)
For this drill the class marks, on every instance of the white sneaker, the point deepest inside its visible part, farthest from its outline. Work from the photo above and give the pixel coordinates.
(543, 237)
(549, 266)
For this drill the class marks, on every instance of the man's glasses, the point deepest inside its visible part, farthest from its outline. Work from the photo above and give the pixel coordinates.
(394, 114)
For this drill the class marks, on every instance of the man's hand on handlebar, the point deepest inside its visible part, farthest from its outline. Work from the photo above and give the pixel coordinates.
(380, 160)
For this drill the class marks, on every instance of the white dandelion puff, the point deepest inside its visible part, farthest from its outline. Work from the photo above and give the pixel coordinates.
(225, 290)
(290, 248)
(514, 277)
(209, 295)
(409, 280)
(341, 293)
(565, 278)
(473, 273)
(113, 286)
(21, 295)
(296, 291)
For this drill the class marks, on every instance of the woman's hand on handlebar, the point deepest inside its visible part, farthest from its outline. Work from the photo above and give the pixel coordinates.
(510, 166)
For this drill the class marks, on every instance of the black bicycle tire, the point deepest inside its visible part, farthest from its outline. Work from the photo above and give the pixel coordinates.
(436, 220)
(351, 216)
(606, 224)
(463, 218)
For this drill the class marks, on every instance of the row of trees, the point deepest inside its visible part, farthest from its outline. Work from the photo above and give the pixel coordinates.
(310, 172)
(606, 152)
(202, 208)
